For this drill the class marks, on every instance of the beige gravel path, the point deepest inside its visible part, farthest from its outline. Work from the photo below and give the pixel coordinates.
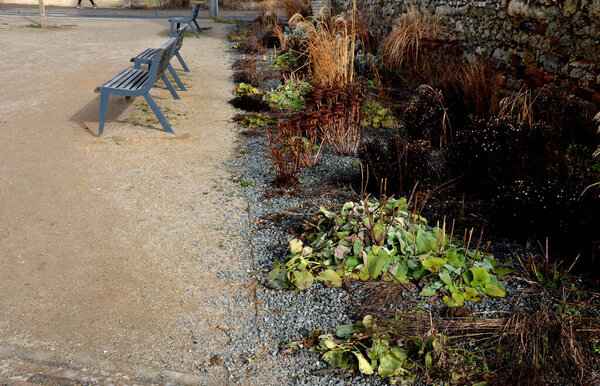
(111, 248)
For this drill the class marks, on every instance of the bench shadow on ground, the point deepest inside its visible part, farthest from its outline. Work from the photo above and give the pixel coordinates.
(88, 116)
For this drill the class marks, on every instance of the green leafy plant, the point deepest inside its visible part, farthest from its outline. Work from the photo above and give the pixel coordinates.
(285, 61)
(396, 351)
(289, 96)
(245, 89)
(257, 120)
(581, 161)
(238, 36)
(375, 239)
(375, 115)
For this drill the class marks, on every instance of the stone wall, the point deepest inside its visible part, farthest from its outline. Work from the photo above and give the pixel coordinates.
(540, 41)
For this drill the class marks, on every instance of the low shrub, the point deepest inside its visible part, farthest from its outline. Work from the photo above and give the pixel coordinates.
(426, 117)
(289, 96)
(376, 116)
(253, 45)
(382, 239)
(290, 151)
(250, 72)
(336, 113)
(400, 165)
(497, 151)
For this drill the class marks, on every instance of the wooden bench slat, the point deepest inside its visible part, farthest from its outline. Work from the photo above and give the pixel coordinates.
(136, 83)
(130, 77)
(147, 54)
(118, 79)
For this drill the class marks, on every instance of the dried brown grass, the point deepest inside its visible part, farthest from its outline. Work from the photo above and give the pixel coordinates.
(403, 46)
(597, 121)
(329, 48)
(231, 4)
(293, 7)
(518, 106)
(545, 346)
(476, 84)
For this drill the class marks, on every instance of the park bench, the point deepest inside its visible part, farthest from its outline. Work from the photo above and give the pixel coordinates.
(145, 57)
(133, 82)
(191, 20)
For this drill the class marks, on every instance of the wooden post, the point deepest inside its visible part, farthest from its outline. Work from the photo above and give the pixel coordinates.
(42, 14)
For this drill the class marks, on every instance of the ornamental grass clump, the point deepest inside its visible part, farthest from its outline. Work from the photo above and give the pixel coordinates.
(329, 45)
(404, 46)
(374, 239)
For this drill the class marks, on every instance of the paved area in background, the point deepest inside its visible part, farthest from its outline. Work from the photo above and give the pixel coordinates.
(116, 264)
(88, 12)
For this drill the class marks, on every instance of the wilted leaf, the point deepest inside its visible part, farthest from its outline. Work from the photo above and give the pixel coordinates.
(434, 264)
(376, 263)
(428, 359)
(326, 212)
(363, 365)
(341, 251)
(344, 330)
(503, 271)
(296, 246)
(390, 365)
(379, 233)
(427, 291)
(363, 274)
(330, 278)
(302, 279)
(481, 277)
(379, 347)
(449, 302)
(492, 290)
(333, 358)
(471, 294)
(327, 341)
(277, 278)
(458, 298)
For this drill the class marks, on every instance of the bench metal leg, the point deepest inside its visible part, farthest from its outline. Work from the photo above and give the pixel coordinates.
(176, 78)
(158, 113)
(194, 30)
(103, 109)
(185, 67)
(170, 86)
(197, 26)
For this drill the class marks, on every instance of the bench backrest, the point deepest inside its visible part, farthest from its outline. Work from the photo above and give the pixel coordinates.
(195, 10)
(180, 34)
(160, 61)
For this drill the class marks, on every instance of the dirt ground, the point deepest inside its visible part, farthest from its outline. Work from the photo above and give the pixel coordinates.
(109, 246)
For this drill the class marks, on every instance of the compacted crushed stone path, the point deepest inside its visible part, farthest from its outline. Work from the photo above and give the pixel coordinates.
(134, 258)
